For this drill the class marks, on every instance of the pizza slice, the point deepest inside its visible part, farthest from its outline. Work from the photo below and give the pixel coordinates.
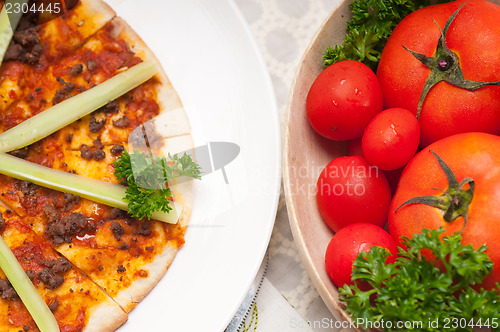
(76, 302)
(34, 48)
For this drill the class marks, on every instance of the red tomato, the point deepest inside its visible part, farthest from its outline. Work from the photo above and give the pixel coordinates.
(354, 148)
(448, 109)
(391, 139)
(343, 99)
(348, 243)
(470, 156)
(351, 191)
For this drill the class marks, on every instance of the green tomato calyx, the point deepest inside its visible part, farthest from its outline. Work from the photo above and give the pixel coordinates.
(454, 202)
(444, 66)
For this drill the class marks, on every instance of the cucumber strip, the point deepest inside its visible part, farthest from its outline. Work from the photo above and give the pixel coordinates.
(36, 306)
(98, 191)
(8, 24)
(74, 108)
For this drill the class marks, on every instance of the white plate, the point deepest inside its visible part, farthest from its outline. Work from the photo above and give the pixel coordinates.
(209, 55)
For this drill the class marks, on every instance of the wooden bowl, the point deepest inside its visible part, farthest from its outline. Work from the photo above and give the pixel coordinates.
(305, 155)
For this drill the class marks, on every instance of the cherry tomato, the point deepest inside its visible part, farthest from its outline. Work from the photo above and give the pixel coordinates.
(391, 139)
(351, 191)
(343, 99)
(347, 243)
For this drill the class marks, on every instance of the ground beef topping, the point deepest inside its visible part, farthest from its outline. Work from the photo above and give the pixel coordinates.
(51, 280)
(61, 231)
(116, 213)
(98, 155)
(61, 265)
(95, 126)
(70, 201)
(111, 107)
(123, 246)
(63, 93)
(51, 213)
(98, 144)
(122, 122)
(85, 152)
(117, 229)
(88, 153)
(66, 202)
(25, 47)
(7, 292)
(31, 274)
(76, 70)
(27, 188)
(121, 269)
(54, 305)
(117, 150)
(145, 229)
(75, 223)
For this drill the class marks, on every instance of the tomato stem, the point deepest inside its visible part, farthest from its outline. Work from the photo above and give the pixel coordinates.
(444, 66)
(454, 202)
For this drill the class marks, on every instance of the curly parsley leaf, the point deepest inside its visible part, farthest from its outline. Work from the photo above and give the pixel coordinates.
(419, 290)
(371, 25)
(147, 176)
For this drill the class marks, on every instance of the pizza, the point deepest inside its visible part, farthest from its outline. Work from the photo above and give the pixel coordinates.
(91, 263)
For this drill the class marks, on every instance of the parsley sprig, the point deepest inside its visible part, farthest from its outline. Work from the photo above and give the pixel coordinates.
(419, 290)
(371, 25)
(146, 177)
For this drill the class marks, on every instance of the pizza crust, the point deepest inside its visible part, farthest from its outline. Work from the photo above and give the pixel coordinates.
(131, 296)
(168, 99)
(106, 317)
(80, 23)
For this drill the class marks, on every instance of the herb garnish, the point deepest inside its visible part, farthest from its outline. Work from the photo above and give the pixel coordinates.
(371, 25)
(415, 289)
(146, 177)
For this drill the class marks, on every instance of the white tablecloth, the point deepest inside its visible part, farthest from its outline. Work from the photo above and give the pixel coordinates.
(283, 29)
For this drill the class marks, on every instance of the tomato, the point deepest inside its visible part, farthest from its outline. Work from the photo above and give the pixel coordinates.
(391, 139)
(351, 191)
(473, 38)
(470, 155)
(354, 148)
(343, 99)
(347, 243)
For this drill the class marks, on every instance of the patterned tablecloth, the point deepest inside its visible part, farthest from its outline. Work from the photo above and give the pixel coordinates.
(283, 29)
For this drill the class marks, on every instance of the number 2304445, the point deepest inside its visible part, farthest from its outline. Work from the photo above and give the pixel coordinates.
(18, 8)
